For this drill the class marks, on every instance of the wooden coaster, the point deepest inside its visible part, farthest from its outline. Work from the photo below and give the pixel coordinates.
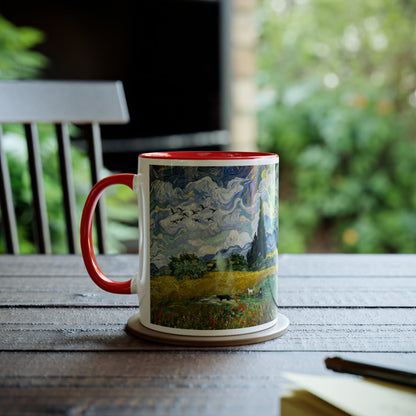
(136, 328)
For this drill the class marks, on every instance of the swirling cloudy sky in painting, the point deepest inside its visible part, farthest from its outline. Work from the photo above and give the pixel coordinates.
(202, 210)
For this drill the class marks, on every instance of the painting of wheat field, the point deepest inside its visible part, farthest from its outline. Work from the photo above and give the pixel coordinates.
(214, 246)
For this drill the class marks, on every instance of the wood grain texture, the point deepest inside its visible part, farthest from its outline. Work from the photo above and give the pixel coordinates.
(64, 348)
(65, 265)
(293, 292)
(301, 265)
(170, 383)
(65, 329)
(304, 281)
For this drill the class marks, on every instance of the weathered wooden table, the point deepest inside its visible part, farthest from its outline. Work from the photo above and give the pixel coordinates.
(64, 349)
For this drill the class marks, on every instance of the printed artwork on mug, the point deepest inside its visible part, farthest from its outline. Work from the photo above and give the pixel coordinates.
(213, 253)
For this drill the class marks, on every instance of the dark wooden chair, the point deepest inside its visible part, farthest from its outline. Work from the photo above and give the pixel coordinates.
(60, 103)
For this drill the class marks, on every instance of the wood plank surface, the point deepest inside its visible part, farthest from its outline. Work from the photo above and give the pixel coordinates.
(323, 329)
(64, 349)
(343, 281)
(301, 265)
(293, 292)
(158, 383)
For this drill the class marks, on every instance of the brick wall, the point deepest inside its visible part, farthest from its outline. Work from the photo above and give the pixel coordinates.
(243, 66)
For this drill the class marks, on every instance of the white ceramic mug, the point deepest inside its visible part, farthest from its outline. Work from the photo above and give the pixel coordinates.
(208, 246)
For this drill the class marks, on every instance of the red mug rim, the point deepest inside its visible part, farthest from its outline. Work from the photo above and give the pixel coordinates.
(208, 155)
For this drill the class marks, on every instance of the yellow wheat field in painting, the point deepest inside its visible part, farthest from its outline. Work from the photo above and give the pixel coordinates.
(168, 289)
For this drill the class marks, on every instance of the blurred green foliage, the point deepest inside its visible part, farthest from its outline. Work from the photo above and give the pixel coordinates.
(18, 61)
(120, 201)
(337, 102)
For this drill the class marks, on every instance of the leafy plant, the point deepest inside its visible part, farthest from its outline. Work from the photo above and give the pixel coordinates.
(337, 102)
(120, 201)
(17, 61)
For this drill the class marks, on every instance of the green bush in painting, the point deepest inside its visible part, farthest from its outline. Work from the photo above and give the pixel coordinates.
(337, 102)
(187, 265)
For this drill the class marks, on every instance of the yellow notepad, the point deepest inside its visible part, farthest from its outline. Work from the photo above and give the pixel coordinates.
(326, 395)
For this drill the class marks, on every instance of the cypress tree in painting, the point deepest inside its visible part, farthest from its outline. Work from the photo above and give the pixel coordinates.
(258, 250)
(261, 234)
(252, 254)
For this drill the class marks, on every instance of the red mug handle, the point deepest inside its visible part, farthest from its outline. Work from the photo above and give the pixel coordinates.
(87, 247)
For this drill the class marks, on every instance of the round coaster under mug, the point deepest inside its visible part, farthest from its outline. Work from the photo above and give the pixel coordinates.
(135, 328)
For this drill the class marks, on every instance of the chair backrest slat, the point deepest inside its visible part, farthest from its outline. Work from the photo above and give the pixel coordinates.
(6, 200)
(57, 102)
(43, 239)
(63, 101)
(68, 189)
